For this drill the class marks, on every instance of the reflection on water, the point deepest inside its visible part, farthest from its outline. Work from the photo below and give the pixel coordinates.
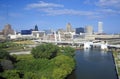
(86, 52)
(94, 64)
(103, 53)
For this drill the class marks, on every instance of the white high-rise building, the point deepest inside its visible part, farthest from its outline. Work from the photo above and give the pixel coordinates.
(100, 27)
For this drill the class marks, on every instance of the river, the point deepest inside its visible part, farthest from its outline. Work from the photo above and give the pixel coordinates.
(94, 64)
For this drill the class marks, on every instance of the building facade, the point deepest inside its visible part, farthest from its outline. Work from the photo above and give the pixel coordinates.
(88, 30)
(79, 30)
(7, 30)
(100, 27)
(26, 32)
(68, 27)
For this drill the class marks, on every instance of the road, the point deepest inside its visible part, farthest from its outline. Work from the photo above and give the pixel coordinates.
(19, 53)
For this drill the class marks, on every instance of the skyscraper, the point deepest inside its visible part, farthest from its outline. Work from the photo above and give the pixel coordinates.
(100, 27)
(68, 27)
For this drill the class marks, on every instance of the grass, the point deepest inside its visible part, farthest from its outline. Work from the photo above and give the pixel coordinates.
(115, 54)
(24, 57)
(24, 42)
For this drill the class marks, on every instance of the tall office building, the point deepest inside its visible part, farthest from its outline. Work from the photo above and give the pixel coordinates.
(68, 27)
(8, 30)
(89, 30)
(100, 27)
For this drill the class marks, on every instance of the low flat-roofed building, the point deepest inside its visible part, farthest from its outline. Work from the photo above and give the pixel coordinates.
(38, 34)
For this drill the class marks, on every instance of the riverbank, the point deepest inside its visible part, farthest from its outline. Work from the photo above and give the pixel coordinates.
(116, 56)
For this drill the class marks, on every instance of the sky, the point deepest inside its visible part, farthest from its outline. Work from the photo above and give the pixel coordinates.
(55, 14)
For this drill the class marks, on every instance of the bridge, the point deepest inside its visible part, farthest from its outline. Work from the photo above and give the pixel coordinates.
(102, 46)
(59, 42)
(85, 43)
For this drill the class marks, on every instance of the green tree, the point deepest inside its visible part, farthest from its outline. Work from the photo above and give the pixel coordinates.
(45, 51)
(32, 65)
(10, 74)
(59, 73)
(1, 68)
(4, 54)
(63, 65)
(69, 51)
(31, 75)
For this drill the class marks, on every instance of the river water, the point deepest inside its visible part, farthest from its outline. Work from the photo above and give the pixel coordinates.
(93, 64)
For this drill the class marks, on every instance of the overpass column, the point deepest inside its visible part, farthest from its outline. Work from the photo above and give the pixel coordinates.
(55, 36)
(59, 36)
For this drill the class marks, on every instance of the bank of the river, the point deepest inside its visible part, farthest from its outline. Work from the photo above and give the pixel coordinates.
(117, 62)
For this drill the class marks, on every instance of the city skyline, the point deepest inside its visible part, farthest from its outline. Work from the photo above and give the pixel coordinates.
(49, 14)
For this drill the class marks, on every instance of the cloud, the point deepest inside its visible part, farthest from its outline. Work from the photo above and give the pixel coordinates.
(109, 7)
(57, 9)
(105, 7)
(42, 4)
(108, 3)
(108, 11)
(87, 2)
(51, 11)
(104, 3)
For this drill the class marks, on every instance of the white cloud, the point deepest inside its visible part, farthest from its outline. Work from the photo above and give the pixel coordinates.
(108, 3)
(109, 7)
(67, 12)
(53, 9)
(42, 4)
(108, 11)
(57, 9)
(87, 2)
(105, 7)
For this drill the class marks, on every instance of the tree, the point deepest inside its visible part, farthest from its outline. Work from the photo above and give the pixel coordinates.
(45, 51)
(63, 65)
(4, 54)
(10, 74)
(31, 75)
(1, 68)
(69, 51)
(57, 68)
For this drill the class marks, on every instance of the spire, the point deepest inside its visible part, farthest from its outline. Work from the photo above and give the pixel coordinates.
(36, 28)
